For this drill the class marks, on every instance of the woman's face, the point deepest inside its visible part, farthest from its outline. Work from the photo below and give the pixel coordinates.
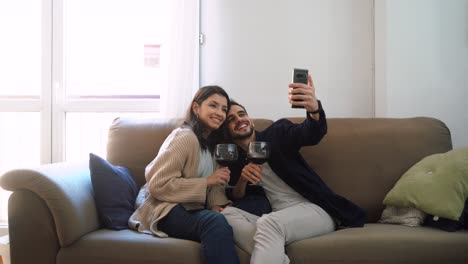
(212, 111)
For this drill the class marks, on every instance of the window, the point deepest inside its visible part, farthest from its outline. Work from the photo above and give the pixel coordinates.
(116, 51)
(77, 65)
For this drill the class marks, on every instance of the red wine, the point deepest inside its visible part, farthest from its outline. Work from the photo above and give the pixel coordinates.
(224, 163)
(257, 160)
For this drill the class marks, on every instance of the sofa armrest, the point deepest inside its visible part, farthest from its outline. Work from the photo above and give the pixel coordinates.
(32, 230)
(66, 190)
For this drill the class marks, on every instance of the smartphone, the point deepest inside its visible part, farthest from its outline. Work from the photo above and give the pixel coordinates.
(299, 76)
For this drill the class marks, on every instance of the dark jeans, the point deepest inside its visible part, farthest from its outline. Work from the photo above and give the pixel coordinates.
(208, 227)
(254, 201)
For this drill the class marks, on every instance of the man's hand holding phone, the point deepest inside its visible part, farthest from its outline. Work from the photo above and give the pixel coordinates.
(299, 77)
(302, 93)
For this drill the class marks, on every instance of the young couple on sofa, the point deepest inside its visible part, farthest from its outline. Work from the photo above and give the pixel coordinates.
(187, 190)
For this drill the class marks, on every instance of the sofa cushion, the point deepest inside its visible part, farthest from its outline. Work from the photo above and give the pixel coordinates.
(115, 192)
(382, 243)
(128, 246)
(437, 185)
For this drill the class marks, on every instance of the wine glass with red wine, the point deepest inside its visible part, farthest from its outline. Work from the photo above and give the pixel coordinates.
(259, 152)
(225, 154)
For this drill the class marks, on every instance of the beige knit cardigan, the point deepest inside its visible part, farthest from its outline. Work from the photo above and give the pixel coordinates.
(172, 179)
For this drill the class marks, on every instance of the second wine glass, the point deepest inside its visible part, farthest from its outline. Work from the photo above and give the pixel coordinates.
(259, 152)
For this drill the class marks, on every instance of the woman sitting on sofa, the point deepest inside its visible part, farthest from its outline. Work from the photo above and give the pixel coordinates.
(186, 190)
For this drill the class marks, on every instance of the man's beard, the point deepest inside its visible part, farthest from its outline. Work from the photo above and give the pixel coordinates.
(244, 136)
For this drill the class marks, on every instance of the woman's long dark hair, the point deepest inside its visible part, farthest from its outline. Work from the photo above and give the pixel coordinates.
(197, 126)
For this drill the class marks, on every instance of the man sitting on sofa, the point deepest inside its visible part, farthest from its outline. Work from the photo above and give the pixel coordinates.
(303, 205)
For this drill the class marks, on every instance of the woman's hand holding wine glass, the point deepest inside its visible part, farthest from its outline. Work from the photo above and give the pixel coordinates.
(220, 176)
(224, 154)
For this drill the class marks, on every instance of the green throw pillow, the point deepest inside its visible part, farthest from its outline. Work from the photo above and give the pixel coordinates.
(437, 185)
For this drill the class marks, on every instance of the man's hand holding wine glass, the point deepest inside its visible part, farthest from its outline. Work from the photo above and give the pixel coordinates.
(258, 153)
(252, 173)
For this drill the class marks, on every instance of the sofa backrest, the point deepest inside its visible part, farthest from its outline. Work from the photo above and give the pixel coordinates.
(134, 142)
(359, 158)
(363, 158)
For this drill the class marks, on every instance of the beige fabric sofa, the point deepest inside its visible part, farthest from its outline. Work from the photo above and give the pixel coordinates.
(53, 219)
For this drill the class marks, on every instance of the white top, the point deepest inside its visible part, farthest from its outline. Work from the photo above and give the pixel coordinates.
(206, 164)
(277, 191)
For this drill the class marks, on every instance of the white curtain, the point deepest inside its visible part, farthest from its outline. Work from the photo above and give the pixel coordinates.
(183, 59)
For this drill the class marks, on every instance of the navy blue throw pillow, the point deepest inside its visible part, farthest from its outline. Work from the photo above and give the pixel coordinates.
(448, 224)
(443, 224)
(115, 192)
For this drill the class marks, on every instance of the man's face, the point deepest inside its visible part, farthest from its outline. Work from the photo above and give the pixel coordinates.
(238, 123)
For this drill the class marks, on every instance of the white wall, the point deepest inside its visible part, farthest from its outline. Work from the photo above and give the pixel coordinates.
(422, 62)
(251, 48)
(421, 56)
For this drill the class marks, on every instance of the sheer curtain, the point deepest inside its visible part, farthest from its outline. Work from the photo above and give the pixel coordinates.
(183, 55)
